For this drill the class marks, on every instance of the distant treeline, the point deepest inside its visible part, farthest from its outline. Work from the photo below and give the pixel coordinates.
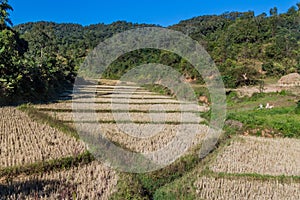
(38, 60)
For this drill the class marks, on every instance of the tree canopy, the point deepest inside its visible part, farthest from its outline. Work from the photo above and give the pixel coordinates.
(39, 59)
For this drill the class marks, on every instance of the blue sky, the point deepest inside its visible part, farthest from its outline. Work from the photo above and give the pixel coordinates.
(162, 12)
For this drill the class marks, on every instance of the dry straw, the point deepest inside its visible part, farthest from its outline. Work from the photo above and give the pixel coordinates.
(24, 141)
(93, 181)
(243, 189)
(279, 156)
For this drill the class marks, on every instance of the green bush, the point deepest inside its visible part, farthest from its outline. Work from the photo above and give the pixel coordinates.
(129, 187)
(297, 109)
(162, 195)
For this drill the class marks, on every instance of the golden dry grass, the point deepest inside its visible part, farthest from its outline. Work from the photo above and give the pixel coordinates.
(132, 117)
(118, 106)
(93, 181)
(279, 156)
(245, 188)
(24, 141)
(147, 136)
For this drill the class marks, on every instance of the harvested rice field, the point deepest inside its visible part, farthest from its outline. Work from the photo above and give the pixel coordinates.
(245, 168)
(99, 100)
(166, 107)
(144, 122)
(140, 127)
(147, 137)
(279, 156)
(92, 181)
(152, 122)
(154, 117)
(24, 141)
(245, 188)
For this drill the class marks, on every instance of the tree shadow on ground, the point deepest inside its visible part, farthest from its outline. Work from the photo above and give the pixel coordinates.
(37, 188)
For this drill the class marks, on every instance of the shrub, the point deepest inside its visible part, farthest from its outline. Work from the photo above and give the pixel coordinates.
(297, 109)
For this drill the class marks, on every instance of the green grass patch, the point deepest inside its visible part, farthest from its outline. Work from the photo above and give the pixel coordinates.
(236, 103)
(154, 180)
(158, 89)
(297, 109)
(281, 120)
(144, 186)
(254, 176)
(129, 187)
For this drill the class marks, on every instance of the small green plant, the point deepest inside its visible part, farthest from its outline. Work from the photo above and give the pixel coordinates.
(297, 109)
(261, 86)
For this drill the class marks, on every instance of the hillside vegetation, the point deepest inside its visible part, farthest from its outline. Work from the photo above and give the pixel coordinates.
(38, 60)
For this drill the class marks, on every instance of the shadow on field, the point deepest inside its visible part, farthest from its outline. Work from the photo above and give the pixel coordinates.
(36, 189)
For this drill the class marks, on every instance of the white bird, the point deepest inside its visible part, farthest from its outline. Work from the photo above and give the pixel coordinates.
(268, 106)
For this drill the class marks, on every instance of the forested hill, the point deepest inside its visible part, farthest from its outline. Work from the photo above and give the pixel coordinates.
(76, 34)
(258, 45)
(50, 56)
(238, 41)
(71, 41)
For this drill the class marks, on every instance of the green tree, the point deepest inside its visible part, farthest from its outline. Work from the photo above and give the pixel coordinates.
(298, 6)
(11, 53)
(292, 10)
(12, 48)
(4, 14)
(274, 11)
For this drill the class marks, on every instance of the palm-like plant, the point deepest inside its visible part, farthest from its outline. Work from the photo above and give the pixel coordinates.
(4, 15)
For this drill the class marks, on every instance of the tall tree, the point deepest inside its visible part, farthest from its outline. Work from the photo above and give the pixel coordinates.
(4, 14)
(12, 48)
(274, 11)
(298, 6)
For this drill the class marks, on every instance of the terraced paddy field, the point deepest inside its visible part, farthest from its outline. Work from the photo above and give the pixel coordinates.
(24, 141)
(132, 107)
(137, 116)
(162, 135)
(265, 156)
(243, 188)
(31, 139)
(122, 113)
(42, 158)
(41, 162)
(244, 167)
(92, 181)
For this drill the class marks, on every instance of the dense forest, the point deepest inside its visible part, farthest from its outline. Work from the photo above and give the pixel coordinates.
(39, 60)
